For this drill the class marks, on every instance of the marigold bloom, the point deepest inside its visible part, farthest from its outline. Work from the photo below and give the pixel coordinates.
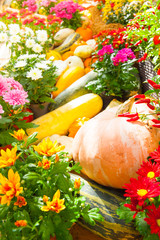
(153, 219)
(8, 157)
(45, 198)
(77, 183)
(21, 223)
(48, 148)
(46, 163)
(56, 205)
(141, 189)
(9, 187)
(20, 202)
(19, 135)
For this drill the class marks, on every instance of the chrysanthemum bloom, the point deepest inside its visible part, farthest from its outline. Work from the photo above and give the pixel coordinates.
(19, 135)
(56, 205)
(37, 48)
(34, 74)
(13, 84)
(153, 219)
(15, 97)
(10, 187)
(20, 202)
(42, 35)
(14, 29)
(77, 183)
(135, 207)
(30, 43)
(150, 170)
(141, 189)
(48, 148)
(8, 157)
(4, 86)
(20, 64)
(107, 49)
(15, 38)
(155, 155)
(21, 223)
(3, 37)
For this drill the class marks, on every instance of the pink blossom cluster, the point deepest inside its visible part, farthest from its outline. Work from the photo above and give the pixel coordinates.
(123, 55)
(107, 49)
(66, 9)
(12, 92)
(31, 4)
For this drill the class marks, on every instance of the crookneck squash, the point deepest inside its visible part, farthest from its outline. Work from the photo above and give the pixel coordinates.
(110, 149)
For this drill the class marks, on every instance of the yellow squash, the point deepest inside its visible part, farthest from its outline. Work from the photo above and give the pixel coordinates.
(67, 78)
(59, 120)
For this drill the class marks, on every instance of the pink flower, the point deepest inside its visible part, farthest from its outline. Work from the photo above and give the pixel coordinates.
(106, 49)
(123, 55)
(15, 97)
(1, 110)
(45, 3)
(14, 84)
(3, 86)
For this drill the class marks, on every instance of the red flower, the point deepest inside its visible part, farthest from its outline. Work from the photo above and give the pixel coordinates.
(149, 170)
(135, 207)
(141, 189)
(158, 71)
(153, 219)
(155, 155)
(156, 39)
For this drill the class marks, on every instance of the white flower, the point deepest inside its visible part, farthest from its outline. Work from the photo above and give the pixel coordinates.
(42, 35)
(30, 43)
(28, 56)
(37, 48)
(2, 26)
(14, 29)
(42, 65)
(20, 64)
(15, 38)
(61, 66)
(43, 56)
(34, 74)
(29, 31)
(3, 37)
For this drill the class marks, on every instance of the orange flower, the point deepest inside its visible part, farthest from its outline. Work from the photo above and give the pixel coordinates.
(56, 158)
(40, 164)
(46, 163)
(56, 205)
(9, 187)
(8, 157)
(18, 134)
(21, 223)
(20, 202)
(45, 198)
(77, 183)
(48, 148)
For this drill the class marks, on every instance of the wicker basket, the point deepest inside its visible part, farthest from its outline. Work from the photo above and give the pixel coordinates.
(145, 72)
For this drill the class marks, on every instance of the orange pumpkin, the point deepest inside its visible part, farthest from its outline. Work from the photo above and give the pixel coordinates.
(67, 55)
(89, 61)
(85, 32)
(76, 44)
(111, 149)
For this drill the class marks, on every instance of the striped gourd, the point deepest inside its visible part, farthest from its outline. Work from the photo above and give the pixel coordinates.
(107, 200)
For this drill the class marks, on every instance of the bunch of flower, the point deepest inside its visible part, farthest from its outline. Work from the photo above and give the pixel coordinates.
(38, 197)
(16, 4)
(31, 5)
(115, 72)
(143, 32)
(36, 74)
(13, 101)
(69, 12)
(120, 11)
(45, 6)
(142, 204)
(9, 17)
(114, 37)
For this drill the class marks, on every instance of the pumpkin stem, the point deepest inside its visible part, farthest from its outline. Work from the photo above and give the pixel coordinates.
(126, 106)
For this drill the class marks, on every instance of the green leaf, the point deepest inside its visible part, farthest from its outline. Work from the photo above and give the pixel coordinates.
(31, 139)
(125, 213)
(32, 175)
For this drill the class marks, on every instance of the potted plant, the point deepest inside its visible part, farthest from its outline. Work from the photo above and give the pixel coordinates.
(37, 76)
(13, 109)
(38, 197)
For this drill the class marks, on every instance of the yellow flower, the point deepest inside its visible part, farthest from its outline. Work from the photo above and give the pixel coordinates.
(56, 205)
(10, 187)
(48, 148)
(8, 157)
(46, 163)
(77, 183)
(19, 135)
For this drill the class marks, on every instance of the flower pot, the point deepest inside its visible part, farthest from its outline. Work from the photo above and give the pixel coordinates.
(39, 109)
